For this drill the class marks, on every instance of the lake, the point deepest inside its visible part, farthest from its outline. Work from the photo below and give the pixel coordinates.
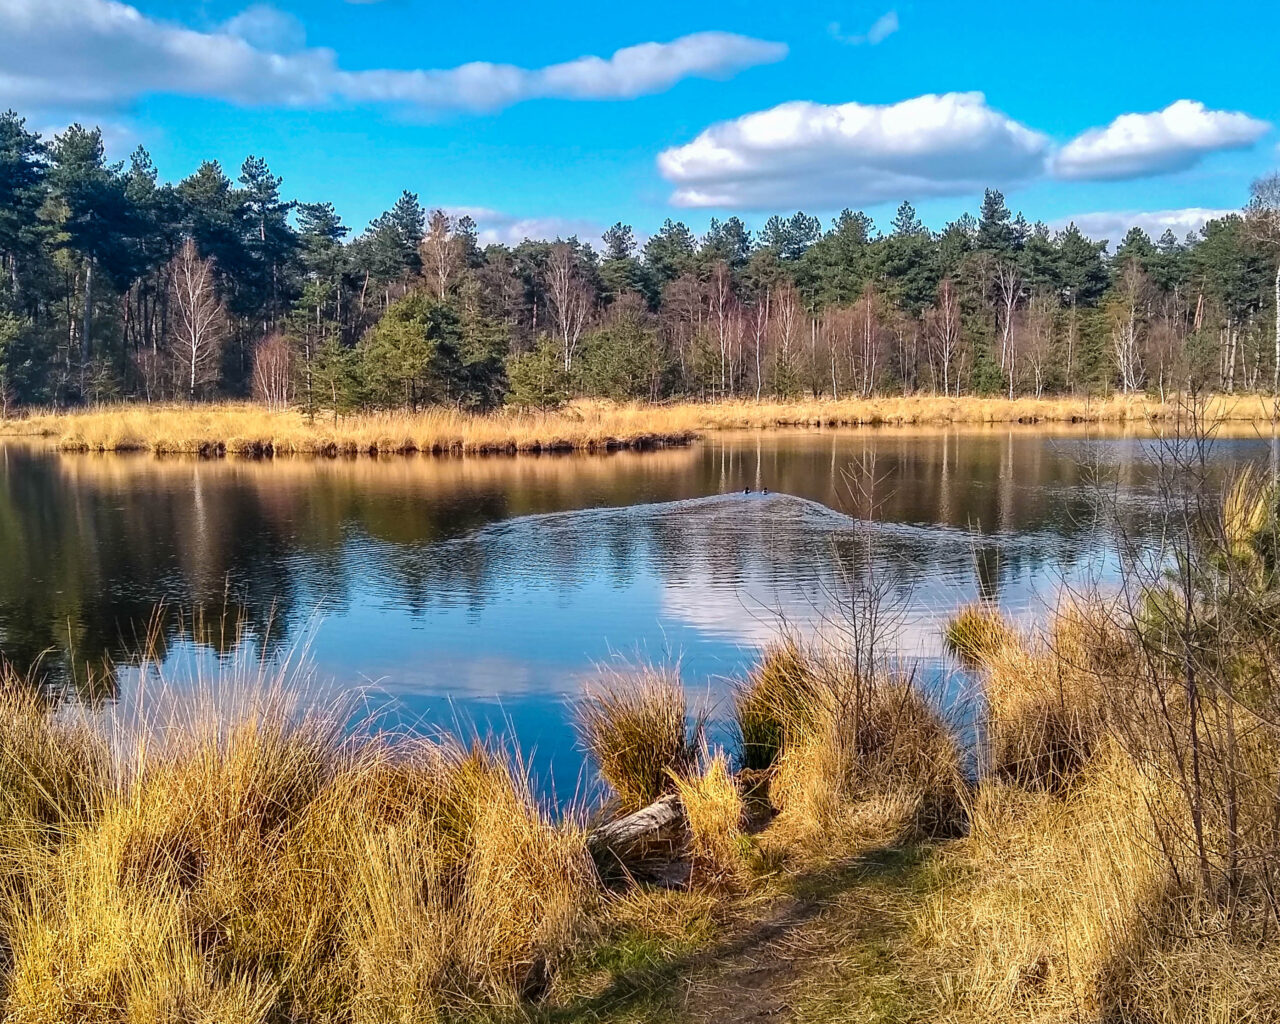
(482, 592)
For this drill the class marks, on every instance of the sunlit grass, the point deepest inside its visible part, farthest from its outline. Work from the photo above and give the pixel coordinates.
(236, 857)
(251, 430)
(635, 728)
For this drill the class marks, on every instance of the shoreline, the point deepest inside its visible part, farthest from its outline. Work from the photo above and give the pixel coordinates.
(250, 431)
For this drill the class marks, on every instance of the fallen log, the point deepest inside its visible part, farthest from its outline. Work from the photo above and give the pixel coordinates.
(651, 844)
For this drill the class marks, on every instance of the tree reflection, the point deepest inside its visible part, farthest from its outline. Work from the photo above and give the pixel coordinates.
(91, 546)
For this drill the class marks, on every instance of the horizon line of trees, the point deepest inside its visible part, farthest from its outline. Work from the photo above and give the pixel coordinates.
(116, 285)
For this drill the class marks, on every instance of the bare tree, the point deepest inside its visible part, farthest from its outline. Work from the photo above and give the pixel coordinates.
(199, 320)
(1009, 286)
(786, 331)
(1128, 312)
(441, 252)
(569, 297)
(273, 372)
(865, 355)
(1042, 316)
(726, 324)
(944, 328)
(760, 315)
(835, 333)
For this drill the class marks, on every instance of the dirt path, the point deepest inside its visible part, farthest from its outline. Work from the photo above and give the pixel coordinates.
(825, 951)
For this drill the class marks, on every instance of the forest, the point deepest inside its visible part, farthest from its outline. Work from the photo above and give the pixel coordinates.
(117, 285)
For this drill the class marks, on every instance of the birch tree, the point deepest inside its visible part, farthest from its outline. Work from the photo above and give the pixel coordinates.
(441, 252)
(569, 299)
(199, 321)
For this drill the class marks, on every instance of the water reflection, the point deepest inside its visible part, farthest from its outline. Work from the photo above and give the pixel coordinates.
(489, 586)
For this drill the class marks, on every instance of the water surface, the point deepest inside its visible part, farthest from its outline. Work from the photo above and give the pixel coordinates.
(485, 590)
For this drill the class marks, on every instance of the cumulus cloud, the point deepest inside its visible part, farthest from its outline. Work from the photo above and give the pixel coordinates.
(267, 28)
(1114, 225)
(497, 227)
(819, 155)
(63, 53)
(881, 29)
(1172, 139)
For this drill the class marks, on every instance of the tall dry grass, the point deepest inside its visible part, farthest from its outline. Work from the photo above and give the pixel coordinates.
(1052, 896)
(1044, 696)
(842, 748)
(246, 861)
(252, 430)
(1121, 859)
(635, 727)
(713, 804)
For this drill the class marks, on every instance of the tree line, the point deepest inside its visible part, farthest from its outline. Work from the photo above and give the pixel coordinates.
(114, 284)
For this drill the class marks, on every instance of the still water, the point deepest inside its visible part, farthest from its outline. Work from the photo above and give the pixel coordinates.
(482, 592)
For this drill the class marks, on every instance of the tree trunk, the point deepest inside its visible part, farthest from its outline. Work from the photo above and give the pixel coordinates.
(87, 323)
(1275, 383)
(647, 844)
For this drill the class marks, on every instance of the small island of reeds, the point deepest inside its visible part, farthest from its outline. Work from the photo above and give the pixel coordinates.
(252, 430)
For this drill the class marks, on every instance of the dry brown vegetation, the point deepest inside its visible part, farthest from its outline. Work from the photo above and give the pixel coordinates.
(253, 430)
(248, 863)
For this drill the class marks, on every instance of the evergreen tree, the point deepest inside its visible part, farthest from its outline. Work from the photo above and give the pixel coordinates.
(728, 242)
(669, 253)
(22, 180)
(271, 241)
(996, 232)
(790, 237)
(620, 270)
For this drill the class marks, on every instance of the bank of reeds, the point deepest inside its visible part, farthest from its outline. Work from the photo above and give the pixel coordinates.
(249, 430)
(837, 747)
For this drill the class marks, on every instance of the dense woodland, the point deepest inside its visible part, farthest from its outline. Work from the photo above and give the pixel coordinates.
(118, 285)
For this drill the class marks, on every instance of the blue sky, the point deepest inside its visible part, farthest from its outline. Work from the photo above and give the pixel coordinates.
(920, 101)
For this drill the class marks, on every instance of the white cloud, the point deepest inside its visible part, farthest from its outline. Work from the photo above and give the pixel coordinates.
(881, 29)
(1173, 139)
(1114, 225)
(496, 227)
(72, 53)
(817, 155)
(630, 72)
(267, 28)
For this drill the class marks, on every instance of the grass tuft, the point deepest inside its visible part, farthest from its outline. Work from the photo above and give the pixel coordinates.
(635, 727)
(716, 813)
(977, 632)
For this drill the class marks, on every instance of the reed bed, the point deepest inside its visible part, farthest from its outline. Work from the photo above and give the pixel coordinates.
(250, 430)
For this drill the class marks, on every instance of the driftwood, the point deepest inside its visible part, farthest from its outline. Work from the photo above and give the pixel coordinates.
(651, 844)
